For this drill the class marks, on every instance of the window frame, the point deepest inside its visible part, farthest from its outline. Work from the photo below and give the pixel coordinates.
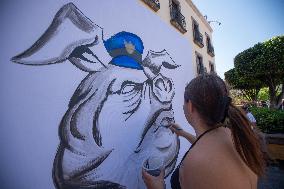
(177, 18)
(209, 45)
(200, 68)
(212, 65)
(153, 4)
(198, 40)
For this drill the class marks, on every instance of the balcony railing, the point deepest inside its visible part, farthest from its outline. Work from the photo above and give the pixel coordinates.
(154, 4)
(198, 38)
(212, 70)
(210, 50)
(201, 69)
(177, 19)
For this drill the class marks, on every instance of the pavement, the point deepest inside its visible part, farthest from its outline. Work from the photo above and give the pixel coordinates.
(274, 178)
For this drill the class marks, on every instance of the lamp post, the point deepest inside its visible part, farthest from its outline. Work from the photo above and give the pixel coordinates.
(214, 21)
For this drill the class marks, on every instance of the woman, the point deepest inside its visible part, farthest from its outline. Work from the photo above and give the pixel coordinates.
(225, 154)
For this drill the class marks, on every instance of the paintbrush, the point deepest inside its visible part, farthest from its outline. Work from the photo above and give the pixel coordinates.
(167, 126)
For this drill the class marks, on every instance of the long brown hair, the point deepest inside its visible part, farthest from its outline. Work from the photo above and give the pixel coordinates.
(209, 95)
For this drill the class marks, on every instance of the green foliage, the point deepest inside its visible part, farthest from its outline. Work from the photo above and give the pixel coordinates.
(262, 60)
(262, 64)
(230, 77)
(236, 81)
(237, 96)
(245, 63)
(263, 94)
(269, 120)
(271, 60)
(249, 87)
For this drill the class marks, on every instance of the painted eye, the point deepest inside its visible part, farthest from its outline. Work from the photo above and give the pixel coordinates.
(128, 88)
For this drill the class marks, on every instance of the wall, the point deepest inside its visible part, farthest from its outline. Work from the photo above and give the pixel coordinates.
(34, 99)
(187, 10)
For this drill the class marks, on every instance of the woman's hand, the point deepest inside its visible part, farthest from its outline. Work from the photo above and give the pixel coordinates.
(152, 182)
(180, 132)
(176, 129)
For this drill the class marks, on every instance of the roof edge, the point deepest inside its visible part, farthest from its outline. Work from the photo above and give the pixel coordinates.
(195, 9)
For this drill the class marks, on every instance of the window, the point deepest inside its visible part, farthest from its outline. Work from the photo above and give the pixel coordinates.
(210, 48)
(153, 4)
(197, 36)
(195, 25)
(199, 64)
(177, 19)
(212, 67)
(176, 6)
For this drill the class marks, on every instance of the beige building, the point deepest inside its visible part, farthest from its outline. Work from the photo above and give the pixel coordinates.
(189, 22)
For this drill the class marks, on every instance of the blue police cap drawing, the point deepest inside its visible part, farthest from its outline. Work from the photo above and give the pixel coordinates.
(126, 50)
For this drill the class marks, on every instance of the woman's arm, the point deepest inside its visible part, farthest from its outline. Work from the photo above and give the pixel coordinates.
(180, 132)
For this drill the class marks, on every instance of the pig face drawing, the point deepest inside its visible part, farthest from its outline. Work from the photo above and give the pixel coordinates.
(119, 114)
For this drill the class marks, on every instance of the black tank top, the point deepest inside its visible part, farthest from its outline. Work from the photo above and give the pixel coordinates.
(175, 176)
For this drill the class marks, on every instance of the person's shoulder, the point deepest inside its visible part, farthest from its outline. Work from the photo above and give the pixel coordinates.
(199, 170)
(200, 159)
(211, 154)
(194, 158)
(207, 170)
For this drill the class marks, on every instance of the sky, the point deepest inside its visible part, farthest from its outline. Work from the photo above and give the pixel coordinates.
(243, 24)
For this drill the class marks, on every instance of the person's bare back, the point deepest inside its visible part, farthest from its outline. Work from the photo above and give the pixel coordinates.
(214, 163)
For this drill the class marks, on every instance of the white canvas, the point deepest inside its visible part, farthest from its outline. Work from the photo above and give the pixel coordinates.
(70, 116)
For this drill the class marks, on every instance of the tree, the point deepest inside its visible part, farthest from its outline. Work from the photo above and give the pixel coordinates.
(265, 62)
(249, 87)
(263, 94)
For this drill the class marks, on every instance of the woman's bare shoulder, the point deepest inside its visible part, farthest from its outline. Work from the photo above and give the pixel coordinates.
(212, 167)
(197, 172)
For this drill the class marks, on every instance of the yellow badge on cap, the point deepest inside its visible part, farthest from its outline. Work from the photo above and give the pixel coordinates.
(130, 48)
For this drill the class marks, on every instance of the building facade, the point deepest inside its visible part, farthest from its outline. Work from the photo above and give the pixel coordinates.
(184, 16)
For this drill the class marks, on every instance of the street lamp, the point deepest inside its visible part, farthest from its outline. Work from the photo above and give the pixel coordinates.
(206, 17)
(212, 21)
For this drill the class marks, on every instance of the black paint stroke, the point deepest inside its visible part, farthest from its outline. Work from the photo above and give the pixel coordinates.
(68, 11)
(155, 67)
(93, 185)
(96, 131)
(131, 112)
(80, 50)
(150, 123)
(73, 128)
(78, 174)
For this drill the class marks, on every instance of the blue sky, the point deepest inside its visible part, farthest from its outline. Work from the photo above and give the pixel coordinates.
(244, 23)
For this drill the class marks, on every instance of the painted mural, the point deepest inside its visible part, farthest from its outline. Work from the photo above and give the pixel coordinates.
(119, 114)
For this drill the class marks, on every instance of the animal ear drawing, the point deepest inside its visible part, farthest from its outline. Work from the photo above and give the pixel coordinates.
(69, 37)
(154, 61)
